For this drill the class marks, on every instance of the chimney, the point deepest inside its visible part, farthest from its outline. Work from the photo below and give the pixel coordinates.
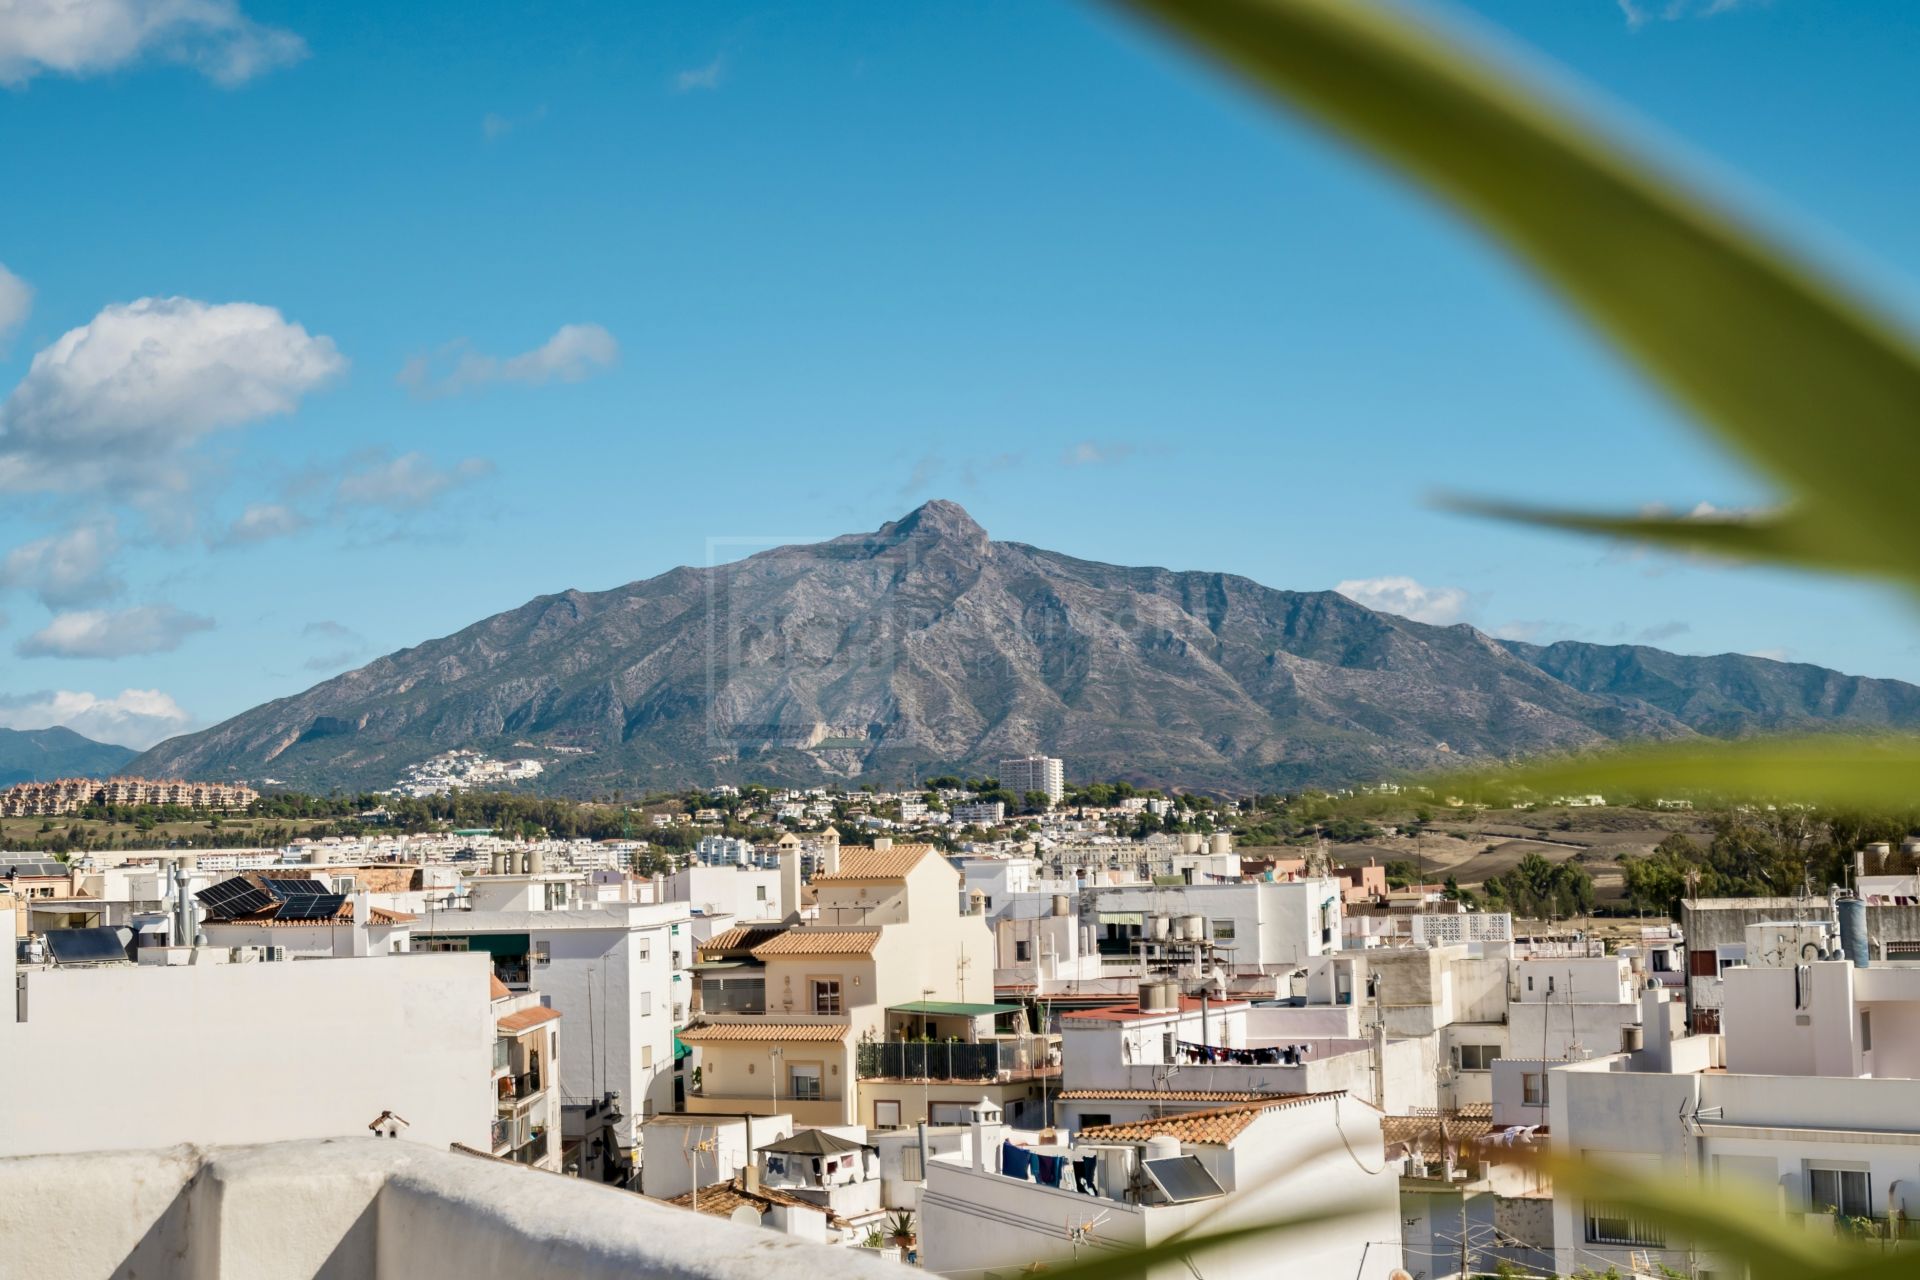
(830, 856)
(750, 1176)
(789, 883)
(362, 910)
(883, 842)
(984, 1118)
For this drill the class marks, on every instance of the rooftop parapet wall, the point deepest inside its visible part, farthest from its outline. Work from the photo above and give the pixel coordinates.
(364, 1209)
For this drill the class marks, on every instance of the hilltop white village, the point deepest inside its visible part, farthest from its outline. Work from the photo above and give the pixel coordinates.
(1051, 1041)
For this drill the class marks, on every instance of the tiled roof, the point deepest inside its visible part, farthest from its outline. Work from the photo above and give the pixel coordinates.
(497, 989)
(1429, 1136)
(375, 915)
(759, 1032)
(820, 942)
(891, 863)
(1166, 1095)
(743, 937)
(722, 1198)
(1133, 1012)
(527, 1019)
(1217, 1128)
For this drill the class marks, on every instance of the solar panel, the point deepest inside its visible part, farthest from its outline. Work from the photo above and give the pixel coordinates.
(234, 897)
(290, 887)
(86, 946)
(1182, 1179)
(311, 907)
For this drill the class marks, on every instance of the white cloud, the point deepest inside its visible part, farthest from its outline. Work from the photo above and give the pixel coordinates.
(132, 718)
(99, 633)
(67, 568)
(16, 301)
(405, 483)
(113, 404)
(262, 522)
(1408, 598)
(707, 77)
(573, 353)
(1090, 453)
(348, 646)
(1639, 12)
(85, 37)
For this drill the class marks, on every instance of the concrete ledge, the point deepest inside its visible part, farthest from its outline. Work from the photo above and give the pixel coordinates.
(348, 1209)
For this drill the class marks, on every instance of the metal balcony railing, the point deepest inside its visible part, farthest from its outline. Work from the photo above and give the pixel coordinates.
(948, 1060)
(502, 1132)
(516, 1088)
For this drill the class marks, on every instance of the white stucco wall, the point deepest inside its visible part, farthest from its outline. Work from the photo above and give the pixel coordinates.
(150, 1056)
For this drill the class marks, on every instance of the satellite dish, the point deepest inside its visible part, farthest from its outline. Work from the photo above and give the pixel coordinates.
(748, 1216)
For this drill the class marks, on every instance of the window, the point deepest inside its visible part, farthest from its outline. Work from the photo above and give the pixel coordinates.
(1866, 1032)
(826, 995)
(1022, 952)
(646, 1003)
(803, 1082)
(910, 1167)
(1168, 1047)
(1529, 982)
(646, 1055)
(1094, 1119)
(1847, 1191)
(1663, 962)
(886, 1115)
(646, 951)
(1223, 930)
(759, 893)
(949, 1113)
(1611, 1224)
(542, 954)
(1477, 1057)
(1533, 1088)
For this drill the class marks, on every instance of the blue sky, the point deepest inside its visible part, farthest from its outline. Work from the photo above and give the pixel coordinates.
(329, 328)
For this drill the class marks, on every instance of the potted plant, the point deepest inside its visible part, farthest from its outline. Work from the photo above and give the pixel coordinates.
(900, 1227)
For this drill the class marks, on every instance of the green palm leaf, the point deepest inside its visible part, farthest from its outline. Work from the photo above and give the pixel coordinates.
(1833, 770)
(1814, 386)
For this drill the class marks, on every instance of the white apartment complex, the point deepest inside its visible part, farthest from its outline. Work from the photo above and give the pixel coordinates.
(1046, 774)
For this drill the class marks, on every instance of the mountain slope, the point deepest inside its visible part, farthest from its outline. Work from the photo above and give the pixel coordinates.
(925, 645)
(27, 755)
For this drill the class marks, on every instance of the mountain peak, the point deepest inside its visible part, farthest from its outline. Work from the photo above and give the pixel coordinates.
(938, 519)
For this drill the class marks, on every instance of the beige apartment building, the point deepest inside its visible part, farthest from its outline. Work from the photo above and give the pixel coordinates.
(786, 1010)
(70, 795)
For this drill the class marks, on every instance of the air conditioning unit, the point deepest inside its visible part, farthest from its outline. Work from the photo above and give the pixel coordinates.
(276, 953)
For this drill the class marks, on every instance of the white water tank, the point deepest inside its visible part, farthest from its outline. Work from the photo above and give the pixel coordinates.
(1162, 1147)
(1220, 843)
(1062, 905)
(1191, 842)
(536, 862)
(1193, 928)
(500, 863)
(1162, 927)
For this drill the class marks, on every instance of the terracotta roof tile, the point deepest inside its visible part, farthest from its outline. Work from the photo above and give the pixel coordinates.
(762, 1032)
(497, 989)
(892, 863)
(742, 937)
(1217, 1128)
(722, 1198)
(527, 1019)
(820, 942)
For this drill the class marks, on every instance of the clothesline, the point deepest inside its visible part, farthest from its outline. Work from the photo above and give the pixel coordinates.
(1275, 1056)
(1050, 1171)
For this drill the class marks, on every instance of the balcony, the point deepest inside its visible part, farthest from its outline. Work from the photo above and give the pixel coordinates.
(515, 1089)
(1014, 1058)
(534, 1152)
(502, 1132)
(367, 1207)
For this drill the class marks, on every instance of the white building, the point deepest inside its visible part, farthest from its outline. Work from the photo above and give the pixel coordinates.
(205, 1051)
(1034, 773)
(618, 974)
(1805, 1099)
(1016, 1199)
(749, 895)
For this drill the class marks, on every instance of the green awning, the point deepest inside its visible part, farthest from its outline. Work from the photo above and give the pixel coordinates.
(1123, 917)
(946, 1008)
(680, 1051)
